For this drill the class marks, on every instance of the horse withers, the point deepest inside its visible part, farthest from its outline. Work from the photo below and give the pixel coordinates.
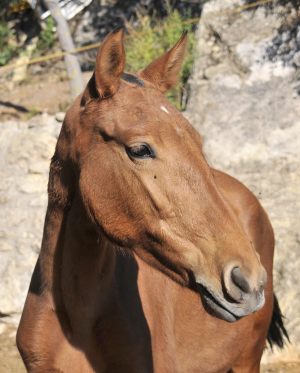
(151, 261)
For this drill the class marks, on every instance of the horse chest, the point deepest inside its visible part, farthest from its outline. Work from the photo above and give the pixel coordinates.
(184, 337)
(148, 323)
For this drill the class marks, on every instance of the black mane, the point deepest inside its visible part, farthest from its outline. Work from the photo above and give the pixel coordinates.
(132, 79)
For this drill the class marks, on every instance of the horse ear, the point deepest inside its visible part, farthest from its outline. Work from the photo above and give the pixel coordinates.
(164, 71)
(110, 63)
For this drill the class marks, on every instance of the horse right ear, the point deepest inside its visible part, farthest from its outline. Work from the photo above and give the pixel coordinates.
(110, 63)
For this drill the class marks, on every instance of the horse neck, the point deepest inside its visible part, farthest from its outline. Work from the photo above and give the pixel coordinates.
(85, 245)
(76, 259)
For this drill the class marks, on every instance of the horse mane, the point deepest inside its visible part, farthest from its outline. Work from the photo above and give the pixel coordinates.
(130, 78)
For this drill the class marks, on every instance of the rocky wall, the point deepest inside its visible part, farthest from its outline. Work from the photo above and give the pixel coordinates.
(25, 152)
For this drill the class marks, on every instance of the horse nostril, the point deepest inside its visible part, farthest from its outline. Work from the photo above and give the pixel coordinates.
(240, 280)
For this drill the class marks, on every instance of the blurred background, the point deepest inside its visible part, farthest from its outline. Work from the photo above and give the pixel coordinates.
(240, 87)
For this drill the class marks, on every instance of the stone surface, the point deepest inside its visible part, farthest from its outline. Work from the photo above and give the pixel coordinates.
(285, 44)
(248, 112)
(26, 149)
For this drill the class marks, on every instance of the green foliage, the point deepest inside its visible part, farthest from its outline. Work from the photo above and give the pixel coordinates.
(152, 38)
(47, 36)
(7, 48)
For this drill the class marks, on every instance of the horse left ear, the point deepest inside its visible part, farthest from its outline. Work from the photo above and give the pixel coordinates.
(110, 63)
(164, 71)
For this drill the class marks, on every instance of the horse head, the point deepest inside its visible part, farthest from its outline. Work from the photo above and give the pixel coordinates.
(146, 185)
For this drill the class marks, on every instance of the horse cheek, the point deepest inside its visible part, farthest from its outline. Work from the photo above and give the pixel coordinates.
(106, 208)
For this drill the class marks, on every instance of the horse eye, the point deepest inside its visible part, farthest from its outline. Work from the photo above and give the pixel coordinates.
(141, 151)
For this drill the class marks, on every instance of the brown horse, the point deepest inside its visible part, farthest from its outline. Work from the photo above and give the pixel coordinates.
(151, 260)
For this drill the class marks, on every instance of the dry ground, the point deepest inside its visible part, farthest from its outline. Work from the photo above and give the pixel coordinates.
(40, 93)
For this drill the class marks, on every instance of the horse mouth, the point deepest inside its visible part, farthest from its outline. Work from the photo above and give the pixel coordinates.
(214, 306)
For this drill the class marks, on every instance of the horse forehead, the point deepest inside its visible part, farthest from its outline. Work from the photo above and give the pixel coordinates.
(146, 104)
(143, 111)
(157, 119)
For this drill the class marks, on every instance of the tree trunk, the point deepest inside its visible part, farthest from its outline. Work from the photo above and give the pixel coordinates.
(67, 45)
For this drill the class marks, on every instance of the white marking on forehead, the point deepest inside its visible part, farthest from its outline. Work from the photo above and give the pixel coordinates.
(163, 108)
(178, 130)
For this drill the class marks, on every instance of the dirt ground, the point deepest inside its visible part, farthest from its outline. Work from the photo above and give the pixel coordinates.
(39, 93)
(10, 361)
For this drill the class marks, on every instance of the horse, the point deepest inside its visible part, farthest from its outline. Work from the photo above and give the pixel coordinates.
(151, 260)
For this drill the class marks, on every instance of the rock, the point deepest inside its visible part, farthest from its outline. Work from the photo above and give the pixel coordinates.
(248, 112)
(292, 44)
(5, 246)
(286, 36)
(296, 59)
(277, 40)
(298, 35)
(33, 184)
(20, 73)
(60, 116)
(38, 167)
(26, 149)
(283, 49)
(2, 328)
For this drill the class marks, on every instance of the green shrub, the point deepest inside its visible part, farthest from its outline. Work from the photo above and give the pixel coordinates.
(151, 38)
(47, 36)
(7, 48)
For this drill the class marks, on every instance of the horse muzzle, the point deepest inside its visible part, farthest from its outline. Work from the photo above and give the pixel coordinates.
(239, 297)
